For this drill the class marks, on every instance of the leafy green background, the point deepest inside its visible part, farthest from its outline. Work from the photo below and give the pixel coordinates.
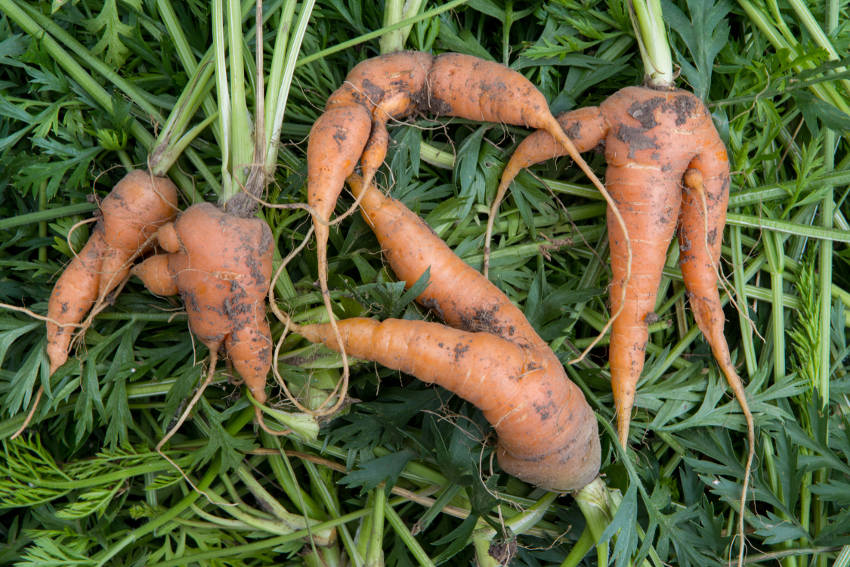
(407, 468)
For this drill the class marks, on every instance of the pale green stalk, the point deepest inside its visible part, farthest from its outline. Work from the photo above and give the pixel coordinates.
(241, 142)
(826, 221)
(378, 33)
(280, 80)
(738, 282)
(184, 51)
(331, 504)
(406, 537)
(651, 37)
(396, 11)
(751, 221)
(223, 97)
(596, 507)
(268, 502)
(580, 548)
(825, 270)
(304, 425)
(775, 258)
(374, 550)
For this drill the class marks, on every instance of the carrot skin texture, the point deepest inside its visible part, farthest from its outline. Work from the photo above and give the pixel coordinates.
(652, 138)
(541, 418)
(156, 276)
(492, 357)
(481, 307)
(222, 268)
(135, 208)
(72, 297)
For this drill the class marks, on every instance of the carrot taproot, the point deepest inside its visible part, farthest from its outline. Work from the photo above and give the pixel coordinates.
(130, 214)
(393, 86)
(667, 169)
(490, 355)
(221, 265)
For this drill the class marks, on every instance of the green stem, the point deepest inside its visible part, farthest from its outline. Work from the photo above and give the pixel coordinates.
(825, 279)
(42, 224)
(223, 98)
(396, 11)
(270, 543)
(374, 550)
(738, 281)
(773, 247)
(46, 215)
(406, 537)
(285, 476)
(241, 144)
(280, 80)
(378, 33)
(648, 24)
(580, 548)
(595, 506)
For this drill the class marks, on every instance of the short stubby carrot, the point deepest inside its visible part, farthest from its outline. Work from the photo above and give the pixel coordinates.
(668, 170)
(130, 214)
(490, 356)
(221, 265)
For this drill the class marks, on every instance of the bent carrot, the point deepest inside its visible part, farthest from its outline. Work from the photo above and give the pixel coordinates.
(547, 432)
(393, 86)
(135, 208)
(655, 140)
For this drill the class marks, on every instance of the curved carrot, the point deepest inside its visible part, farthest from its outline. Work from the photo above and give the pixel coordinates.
(411, 247)
(135, 208)
(547, 432)
(73, 295)
(394, 86)
(652, 138)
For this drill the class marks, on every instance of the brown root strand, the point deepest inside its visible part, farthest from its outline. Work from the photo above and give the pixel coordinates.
(30, 414)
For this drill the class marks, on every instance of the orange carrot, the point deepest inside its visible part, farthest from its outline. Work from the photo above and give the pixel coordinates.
(131, 213)
(655, 141)
(394, 86)
(494, 358)
(221, 265)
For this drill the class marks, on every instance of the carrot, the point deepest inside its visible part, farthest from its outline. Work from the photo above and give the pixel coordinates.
(393, 86)
(667, 169)
(221, 265)
(652, 138)
(130, 214)
(493, 358)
